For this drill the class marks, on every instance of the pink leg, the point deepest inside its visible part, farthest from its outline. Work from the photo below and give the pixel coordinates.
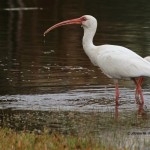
(117, 92)
(140, 82)
(138, 89)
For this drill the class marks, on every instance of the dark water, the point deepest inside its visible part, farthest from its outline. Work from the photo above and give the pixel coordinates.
(30, 64)
(40, 75)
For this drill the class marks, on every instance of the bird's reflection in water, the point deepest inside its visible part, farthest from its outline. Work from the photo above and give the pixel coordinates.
(116, 112)
(141, 112)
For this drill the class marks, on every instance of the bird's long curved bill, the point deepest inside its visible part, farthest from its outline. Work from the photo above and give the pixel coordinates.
(67, 22)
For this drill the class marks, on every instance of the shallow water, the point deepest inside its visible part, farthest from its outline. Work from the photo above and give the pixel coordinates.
(41, 75)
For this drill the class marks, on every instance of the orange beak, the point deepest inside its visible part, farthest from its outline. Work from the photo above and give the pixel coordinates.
(67, 22)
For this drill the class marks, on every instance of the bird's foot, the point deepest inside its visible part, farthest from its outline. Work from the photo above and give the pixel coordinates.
(139, 102)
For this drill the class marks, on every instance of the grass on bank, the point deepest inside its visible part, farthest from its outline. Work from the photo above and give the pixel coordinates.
(23, 140)
(12, 140)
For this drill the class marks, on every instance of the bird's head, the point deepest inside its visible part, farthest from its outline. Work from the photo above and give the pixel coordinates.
(86, 21)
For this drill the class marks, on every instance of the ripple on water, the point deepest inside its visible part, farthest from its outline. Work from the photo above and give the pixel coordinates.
(85, 99)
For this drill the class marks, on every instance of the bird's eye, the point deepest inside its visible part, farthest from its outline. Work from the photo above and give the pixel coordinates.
(83, 18)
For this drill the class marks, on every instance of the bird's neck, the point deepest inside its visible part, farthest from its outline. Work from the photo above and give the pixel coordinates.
(88, 45)
(87, 40)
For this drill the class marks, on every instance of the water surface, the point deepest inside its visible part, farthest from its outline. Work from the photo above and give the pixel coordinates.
(51, 77)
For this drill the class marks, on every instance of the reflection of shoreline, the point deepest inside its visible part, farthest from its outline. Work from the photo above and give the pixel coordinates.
(15, 25)
(15, 22)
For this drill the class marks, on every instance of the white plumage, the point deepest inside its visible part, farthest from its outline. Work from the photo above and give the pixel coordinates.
(119, 62)
(115, 61)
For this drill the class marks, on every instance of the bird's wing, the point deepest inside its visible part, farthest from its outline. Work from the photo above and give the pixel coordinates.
(120, 62)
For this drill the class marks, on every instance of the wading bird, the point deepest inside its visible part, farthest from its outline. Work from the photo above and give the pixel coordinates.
(116, 62)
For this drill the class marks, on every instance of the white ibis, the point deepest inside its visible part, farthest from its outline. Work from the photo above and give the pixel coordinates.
(116, 62)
